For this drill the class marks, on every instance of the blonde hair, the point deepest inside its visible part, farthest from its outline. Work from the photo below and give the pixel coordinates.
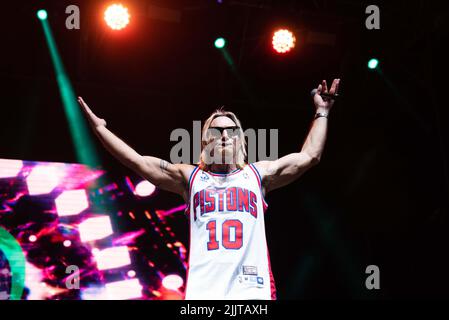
(241, 147)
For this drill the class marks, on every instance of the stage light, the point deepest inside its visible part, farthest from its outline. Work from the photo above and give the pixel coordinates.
(116, 16)
(42, 14)
(10, 168)
(94, 293)
(32, 238)
(144, 189)
(80, 135)
(283, 41)
(43, 179)
(121, 290)
(95, 228)
(71, 202)
(172, 282)
(131, 273)
(111, 258)
(67, 243)
(373, 63)
(37, 290)
(220, 43)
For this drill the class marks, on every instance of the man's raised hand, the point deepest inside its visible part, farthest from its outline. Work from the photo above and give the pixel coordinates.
(94, 121)
(326, 103)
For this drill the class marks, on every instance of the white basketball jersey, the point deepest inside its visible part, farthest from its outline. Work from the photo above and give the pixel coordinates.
(228, 256)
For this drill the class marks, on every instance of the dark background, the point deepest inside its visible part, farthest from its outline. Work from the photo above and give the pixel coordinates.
(379, 195)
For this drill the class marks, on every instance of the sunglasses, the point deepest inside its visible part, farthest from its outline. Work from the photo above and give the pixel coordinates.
(217, 132)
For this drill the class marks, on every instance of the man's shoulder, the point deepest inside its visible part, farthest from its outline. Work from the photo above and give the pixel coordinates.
(262, 166)
(186, 170)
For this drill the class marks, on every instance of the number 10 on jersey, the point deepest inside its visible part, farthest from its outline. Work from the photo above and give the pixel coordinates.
(226, 241)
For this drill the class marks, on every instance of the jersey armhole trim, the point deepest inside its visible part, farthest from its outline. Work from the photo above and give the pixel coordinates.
(190, 182)
(259, 181)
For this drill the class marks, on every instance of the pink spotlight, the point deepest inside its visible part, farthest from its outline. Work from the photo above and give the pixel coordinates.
(111, 258)
(71, 202)
(144, 189)
(121, 290)
(131, 273)
(10, 168)
(67, 243)
(172, 282)
(43, 179)
(32, 238)
(95, 228)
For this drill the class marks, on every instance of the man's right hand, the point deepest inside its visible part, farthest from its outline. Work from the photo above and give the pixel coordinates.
(94, 121)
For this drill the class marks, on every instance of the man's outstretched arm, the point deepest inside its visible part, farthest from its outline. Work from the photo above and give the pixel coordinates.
(287, 169)
(161, 173)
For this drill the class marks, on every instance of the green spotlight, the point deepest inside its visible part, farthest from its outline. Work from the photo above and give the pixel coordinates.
(81, 138)
(42, 14)
(220, 43)
(373, 63)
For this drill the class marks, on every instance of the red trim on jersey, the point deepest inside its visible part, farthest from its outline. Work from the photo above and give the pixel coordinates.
(192, 177)
(187, 209)
(259, 181)
(272, 282)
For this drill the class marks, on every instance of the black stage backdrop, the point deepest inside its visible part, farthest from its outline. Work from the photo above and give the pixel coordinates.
(378, 197)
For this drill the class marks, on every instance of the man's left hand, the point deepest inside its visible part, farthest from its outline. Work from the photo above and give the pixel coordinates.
(324, 103)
